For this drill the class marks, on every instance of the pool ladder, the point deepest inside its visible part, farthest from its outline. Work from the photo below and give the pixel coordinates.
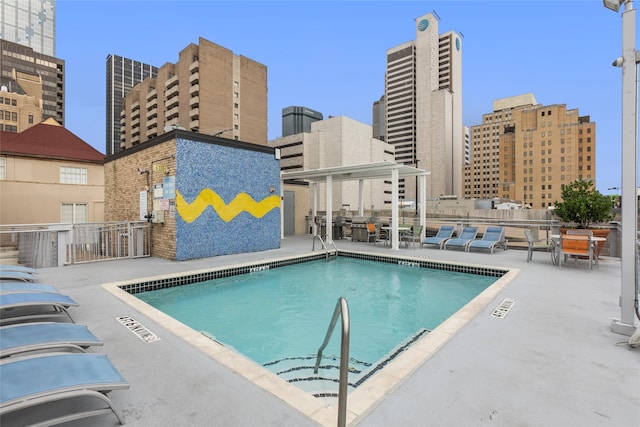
(313, 246)
(342, 310)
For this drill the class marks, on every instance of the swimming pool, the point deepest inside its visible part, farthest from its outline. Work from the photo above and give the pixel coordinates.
(278, 317)
(322, 411)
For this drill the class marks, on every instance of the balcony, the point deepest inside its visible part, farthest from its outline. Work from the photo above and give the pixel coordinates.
(194, 67)
(194, 113)
(194, 78)
(172, 91)
(152, 103)
(172, 113)
(152, 122)
(172, 81)
(194, 90)
(194, 101)
(135, 122)
(153, 94)
(194, 125)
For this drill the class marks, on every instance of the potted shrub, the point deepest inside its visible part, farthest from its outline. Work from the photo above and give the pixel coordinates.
(583, 206)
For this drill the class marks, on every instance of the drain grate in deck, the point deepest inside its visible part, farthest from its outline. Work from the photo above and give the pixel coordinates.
(503, 309)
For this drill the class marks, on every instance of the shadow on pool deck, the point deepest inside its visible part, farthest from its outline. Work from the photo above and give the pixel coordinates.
(552, 361)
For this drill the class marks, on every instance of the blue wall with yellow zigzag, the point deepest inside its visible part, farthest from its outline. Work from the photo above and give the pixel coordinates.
(223, 202)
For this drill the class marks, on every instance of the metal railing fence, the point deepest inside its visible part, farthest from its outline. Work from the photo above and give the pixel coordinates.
(50, 245)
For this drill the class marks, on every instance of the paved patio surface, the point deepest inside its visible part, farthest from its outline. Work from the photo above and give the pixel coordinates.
(552, 361)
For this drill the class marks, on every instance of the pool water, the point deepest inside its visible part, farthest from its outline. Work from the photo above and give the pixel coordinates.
(279, 317)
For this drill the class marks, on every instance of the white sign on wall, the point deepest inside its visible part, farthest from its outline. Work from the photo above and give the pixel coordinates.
(143, 205)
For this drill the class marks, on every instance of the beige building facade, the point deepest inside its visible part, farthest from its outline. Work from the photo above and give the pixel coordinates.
(210, 90)
(337, 141)
(48, 175)
(423, 107)
(20, 102)
(527, 152)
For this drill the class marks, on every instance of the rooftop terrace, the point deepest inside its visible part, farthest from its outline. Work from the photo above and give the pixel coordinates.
(551, 361)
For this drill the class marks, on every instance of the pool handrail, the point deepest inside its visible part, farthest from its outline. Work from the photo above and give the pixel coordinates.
(313, 245)
(342, 310)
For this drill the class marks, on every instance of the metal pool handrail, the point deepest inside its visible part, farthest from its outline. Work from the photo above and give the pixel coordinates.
(313, 245)
(342, 309)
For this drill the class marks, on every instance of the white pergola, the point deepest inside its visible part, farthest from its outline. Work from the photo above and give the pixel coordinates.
(360, 173)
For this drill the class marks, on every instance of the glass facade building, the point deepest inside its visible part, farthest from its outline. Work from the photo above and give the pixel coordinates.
(122, 75)
(30, 23)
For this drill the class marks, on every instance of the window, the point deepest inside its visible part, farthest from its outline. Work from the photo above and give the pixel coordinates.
(30, 119)
(71, 175)
(73, 213)
(3, 168)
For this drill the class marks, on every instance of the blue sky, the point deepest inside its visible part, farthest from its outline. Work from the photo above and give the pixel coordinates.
(330, 55)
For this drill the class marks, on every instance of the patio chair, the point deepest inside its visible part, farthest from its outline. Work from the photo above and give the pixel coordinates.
(16, 275)
(468, 234)
(15, 287)
(444, 233)
(577, 246)
(537, 245)
(31, 381)
(412, 236)
(45, 336)
(28, 306)
(373, 232)
(492, 237)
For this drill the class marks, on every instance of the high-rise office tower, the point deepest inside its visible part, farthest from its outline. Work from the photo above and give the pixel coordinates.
(122, 75)
(209, 90)
(298, 119)
(30, 23)
(21, 61)
(423, 99)
(527, 152)
(379, 120)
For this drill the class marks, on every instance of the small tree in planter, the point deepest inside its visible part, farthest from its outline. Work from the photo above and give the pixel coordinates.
(583, 205)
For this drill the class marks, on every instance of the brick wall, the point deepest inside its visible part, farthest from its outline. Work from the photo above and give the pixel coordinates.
(123, 185)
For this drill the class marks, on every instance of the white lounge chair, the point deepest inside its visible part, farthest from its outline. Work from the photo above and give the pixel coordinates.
(28, 306)
(492, 237)
(31, 381)
(38, 336)
(468, 234)
(444, 233)
(13, 287)
(17, 275)
(20, 268)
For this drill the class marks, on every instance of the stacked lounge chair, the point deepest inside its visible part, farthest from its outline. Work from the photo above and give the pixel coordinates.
(47, 362)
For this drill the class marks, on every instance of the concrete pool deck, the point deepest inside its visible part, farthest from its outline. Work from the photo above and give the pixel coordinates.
(552, 360)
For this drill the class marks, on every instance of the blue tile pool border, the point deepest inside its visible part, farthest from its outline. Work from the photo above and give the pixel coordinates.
(186, 279)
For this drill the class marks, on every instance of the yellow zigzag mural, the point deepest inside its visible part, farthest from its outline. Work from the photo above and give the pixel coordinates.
(242, 202)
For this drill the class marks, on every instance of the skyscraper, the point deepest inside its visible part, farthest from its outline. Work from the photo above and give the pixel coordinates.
(423, 99)
(30, 23)
(20, 60)
(298, 119)
(122, 75)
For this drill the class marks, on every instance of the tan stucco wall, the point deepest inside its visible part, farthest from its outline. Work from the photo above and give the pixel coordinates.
(32, 193)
